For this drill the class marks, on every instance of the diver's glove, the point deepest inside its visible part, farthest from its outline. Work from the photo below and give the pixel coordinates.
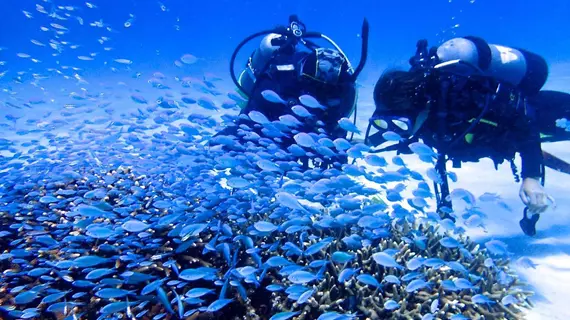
(536, 199)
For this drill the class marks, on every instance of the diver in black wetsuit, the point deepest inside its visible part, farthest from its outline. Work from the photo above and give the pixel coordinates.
(471, 100)
(290, 64)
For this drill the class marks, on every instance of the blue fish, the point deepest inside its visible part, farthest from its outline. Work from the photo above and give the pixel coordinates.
(302, 277)
(369, 280)
(481, 299)
(265, 226)
(89, 261)
(385, 260)
(301, 111)
(348, 125)
(135, 226)
(341, 257)
(346, 274)
(218, 305)
(391, 305)
(449, 242)
(392, 279)
(497, 247)
(416, 285)
(111, 293)
(284, 315)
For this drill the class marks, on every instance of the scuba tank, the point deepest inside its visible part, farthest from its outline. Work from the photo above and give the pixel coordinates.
(524, 70)
(258, 61)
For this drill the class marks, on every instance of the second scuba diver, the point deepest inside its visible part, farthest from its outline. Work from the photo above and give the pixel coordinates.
(470, 100)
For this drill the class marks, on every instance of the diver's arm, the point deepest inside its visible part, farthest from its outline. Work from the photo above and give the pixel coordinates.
(531, 156)
(529, 144)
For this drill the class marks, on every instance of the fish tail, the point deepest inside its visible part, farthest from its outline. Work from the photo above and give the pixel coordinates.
(321, 273)
(224, 289)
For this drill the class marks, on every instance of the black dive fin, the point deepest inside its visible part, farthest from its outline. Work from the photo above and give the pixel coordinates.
(528, 224)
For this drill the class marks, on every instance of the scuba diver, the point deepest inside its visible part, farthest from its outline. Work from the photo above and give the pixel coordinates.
(470, 100)
(288, 65)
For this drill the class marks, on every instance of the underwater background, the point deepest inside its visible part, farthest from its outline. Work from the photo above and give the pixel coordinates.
(92, 166)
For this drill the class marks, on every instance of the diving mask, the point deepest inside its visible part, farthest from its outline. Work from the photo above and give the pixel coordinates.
(404, 126)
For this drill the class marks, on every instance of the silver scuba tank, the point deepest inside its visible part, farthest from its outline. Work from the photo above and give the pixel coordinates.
(257, 61)
(520, 68)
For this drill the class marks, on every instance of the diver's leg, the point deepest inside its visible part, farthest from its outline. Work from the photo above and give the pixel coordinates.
(551, 106)
(444, 205)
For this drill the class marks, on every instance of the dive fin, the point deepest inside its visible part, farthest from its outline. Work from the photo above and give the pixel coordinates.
(528, 224)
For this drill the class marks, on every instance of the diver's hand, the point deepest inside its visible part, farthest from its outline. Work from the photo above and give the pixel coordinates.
(534, 197)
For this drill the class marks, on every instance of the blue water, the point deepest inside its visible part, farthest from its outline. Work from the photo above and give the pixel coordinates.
(212, 29)
(161, 32)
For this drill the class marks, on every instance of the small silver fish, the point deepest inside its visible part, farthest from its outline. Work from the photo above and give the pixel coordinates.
(272, 96)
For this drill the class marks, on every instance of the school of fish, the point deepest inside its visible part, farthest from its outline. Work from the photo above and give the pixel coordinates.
(143, 213)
